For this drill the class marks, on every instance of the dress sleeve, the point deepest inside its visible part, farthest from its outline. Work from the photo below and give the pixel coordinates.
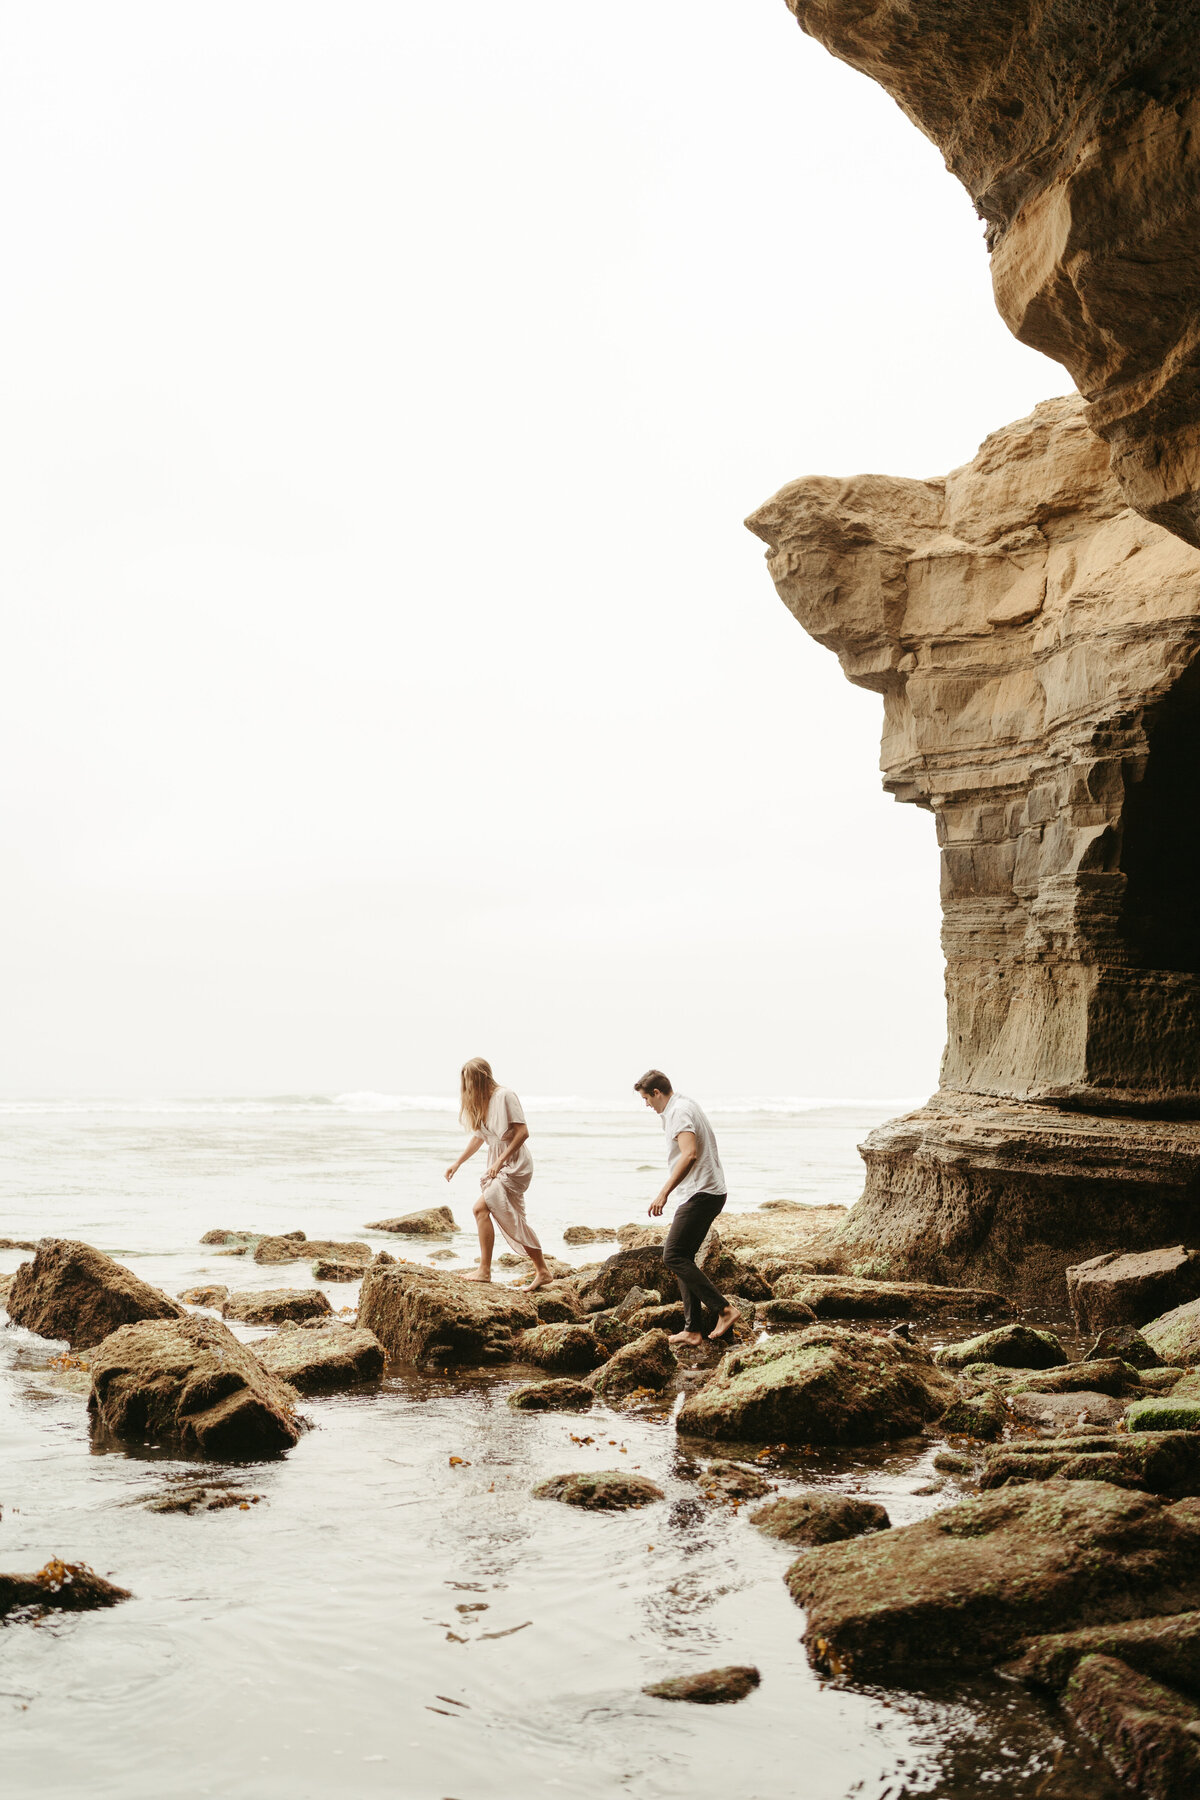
(514, 1113)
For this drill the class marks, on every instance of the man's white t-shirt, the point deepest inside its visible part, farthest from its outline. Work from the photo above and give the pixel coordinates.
(706, 1176)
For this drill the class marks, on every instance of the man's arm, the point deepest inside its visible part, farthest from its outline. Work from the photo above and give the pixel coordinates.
(688, 1153)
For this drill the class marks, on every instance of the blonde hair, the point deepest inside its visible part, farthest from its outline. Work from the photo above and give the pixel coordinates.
(477, 1084)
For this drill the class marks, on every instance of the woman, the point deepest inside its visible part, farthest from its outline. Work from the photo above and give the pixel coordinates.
(494, 1117)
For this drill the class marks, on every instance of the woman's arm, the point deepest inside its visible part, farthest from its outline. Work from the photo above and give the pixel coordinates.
(475, 1143)
(512, 1140)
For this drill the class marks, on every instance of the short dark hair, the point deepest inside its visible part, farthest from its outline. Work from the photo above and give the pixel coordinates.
(653, 1082)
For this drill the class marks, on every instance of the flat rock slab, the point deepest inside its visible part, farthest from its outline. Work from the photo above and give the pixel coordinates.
(1133, 1288)
(1110, 1376)
(824, 1385)
(274, 1306)
(966, 1586)
(1148, 1734)
(1164, 1412)
(1167, 1649)
(552, 1396)
(214, 1295)
(600, 1490)
(1164, 1462)
(854, 1297)
(819, 1518)
(189, 1382)
(715, 1687)
(325, 1361)
(433, 1221)
(1065, 1412)
(1175, 1337)
(296, 1249)
(59, 1587)
(424, 1316)
(647, 1363)
(72, 1291)
(589, 1234)
(564, 1349)
(1010, 1346)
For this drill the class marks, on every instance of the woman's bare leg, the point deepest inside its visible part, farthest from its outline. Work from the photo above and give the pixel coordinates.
(487, 1243)
(541, 1273)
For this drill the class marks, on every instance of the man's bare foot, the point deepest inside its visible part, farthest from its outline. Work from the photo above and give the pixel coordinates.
(686, 1337)
(479, 1275)
(725, 1322)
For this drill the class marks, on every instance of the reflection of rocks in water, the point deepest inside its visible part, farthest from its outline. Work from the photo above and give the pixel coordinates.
(197, 1496)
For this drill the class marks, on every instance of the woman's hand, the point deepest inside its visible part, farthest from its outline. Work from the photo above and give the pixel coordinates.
(452, 1171)
(489, 1175)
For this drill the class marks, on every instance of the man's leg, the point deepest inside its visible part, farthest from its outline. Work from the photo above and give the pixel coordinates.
(688, 1230)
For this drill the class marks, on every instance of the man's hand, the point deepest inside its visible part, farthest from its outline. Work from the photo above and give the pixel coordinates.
(656, 1206)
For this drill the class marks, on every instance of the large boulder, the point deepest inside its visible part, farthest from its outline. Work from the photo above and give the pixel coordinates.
(1133, 1288)
(855, 1297)
(1166, 1648)
(325, 1360)
(433, 1221)
(297, 1249)
(825, 1385)
(1011, 1346)
(966, 1586)
(647, 1363)
(59, 1587)
(189, 1383)
(421, 1315)
(565, 1349)
(1128, 1344)
(72, 1291)
(276, 1306)
(1165, 1462)
(641, 1265)
(1175, 1337)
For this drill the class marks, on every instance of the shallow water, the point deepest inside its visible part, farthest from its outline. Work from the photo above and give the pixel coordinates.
(382, 1622)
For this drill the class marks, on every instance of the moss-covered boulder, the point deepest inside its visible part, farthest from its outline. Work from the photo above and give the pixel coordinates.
(733, 1481)
(325, 1361)
(978, 1416)
(1127, 1343)
(1112, 1376)
(276, 1306)
(73, 1291)
(600, 1490)
(1147, 1733)
(965, 1587)
(648, 1362)
(614, 1333)
(423, 1316)
(1175, 1335)
(793, 1313)
(824, 1385)
(1164, 1462)
(566, 1349)
(1164, 1412)
(1168, 1649)
(1011, 1346)
(190, 1384)
(431, 1221)
(552, 1396)
(819, 1518)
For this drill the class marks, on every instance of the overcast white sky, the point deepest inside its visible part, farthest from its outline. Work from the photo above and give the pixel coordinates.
(389, 677)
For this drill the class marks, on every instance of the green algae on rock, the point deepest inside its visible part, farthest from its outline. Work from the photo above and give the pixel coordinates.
(600, 1490)
(1009, 1346)
(648, 1362)
(563, 1349)
(1167, 1648)
(981, 1416)
(1175, 1336)
(819, 1518)
(825, 1385)
(1164, 1412)
(966, 1586)
(1148, 1734)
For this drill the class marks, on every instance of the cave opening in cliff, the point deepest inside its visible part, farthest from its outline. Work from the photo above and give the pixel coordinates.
(1160, 853)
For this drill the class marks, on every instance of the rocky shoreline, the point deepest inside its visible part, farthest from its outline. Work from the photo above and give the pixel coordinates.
(1066, 1536)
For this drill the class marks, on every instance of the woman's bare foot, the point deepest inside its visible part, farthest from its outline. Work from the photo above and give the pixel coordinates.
(726, 1320)
(692, 1338)
(479, 1275)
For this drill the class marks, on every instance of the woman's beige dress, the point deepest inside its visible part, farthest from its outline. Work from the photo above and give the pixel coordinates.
(505, 1196)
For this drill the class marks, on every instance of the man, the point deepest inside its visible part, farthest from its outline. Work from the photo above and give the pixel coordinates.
(697, 1177)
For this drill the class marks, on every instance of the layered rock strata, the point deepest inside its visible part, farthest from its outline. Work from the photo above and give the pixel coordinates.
(1034, 641)
(1073, 126)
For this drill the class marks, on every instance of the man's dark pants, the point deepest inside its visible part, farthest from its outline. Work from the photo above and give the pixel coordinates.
(688, 1229)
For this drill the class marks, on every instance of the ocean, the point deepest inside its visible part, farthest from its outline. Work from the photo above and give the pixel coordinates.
(384, 1620)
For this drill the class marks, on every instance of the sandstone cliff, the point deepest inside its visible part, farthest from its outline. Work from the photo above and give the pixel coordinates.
(1035, 643)
(1073, 125)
